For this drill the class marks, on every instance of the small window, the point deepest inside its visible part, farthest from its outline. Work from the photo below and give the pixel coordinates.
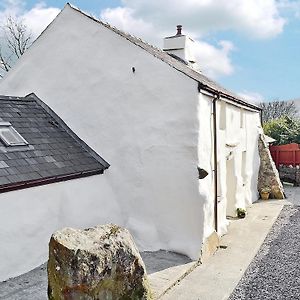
(222, 122)
(242, 116)
(9, 136)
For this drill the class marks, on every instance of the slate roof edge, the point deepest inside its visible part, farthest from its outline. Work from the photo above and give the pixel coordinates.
(142, 44)
(38, 182)
(93, 153)
(15, 98)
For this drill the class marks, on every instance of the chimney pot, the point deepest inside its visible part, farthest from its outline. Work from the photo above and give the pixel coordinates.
(179, 28)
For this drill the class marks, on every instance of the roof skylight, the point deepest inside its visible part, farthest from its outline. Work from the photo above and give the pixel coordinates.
(10, 136)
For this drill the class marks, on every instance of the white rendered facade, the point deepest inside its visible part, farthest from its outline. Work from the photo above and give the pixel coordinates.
(151, 125)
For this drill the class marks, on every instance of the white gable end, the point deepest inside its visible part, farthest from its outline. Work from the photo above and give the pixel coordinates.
(144, 123)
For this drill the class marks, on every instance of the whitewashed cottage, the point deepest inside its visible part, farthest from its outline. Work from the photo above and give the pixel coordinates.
(182, 150)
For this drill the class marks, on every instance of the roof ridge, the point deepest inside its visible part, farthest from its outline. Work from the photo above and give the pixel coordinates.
(114, 28)
(14, 98)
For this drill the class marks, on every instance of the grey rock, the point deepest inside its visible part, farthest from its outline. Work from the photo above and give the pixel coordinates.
(102, 262)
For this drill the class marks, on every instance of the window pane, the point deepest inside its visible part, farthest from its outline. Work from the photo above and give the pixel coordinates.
(11, 137)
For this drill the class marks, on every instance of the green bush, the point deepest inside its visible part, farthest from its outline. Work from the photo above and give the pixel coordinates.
(284, 130)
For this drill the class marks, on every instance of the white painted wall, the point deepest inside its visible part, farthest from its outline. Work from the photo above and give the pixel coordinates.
(238, 160)
(205, 161)
(144, 124)
(152, 126)
(237, 187)
(28, 218)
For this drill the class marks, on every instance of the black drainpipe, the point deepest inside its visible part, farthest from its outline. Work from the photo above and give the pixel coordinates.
(216, 97)
(261, 118)
(215, 161)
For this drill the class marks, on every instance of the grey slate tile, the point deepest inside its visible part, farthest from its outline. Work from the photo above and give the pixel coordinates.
(13, 178)
(12, 170)
(59, 164)
(49, 159)
(11, 163)
(3, 172)
(4, 180)
(25, 169)
(31, 161)
(3, 164)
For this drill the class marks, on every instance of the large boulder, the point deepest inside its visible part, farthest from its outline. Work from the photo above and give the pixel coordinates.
(102, 262)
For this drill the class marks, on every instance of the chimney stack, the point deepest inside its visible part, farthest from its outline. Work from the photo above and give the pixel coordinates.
(181, 46)
(179, 28)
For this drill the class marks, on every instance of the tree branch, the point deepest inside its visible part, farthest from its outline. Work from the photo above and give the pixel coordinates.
(15, 40)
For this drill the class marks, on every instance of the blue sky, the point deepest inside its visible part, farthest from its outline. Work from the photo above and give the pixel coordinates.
(250, 46)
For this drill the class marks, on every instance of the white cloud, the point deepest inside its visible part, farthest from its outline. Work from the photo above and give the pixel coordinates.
(39, 17)
(153, 20)
(257, 18)
(36, 19)
(252, 97)
(290, 7)
(123, 18)
(214, 61)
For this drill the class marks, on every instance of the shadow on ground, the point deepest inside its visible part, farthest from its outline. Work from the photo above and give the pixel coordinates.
(33, 285)
(161, 260)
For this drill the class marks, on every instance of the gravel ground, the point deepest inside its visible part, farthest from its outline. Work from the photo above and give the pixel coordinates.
(275, 271)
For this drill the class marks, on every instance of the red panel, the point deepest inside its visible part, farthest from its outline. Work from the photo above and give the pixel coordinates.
(286, 154)
(297, 158)
(292, 146)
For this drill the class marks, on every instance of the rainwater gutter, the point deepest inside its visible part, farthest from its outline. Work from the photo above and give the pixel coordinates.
(48, 180)
(224, 96)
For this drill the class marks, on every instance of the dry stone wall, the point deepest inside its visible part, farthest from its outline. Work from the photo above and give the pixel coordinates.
(290, 174)
(268, 174)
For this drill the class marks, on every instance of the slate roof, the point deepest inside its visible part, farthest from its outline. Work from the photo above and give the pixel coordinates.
(54, 152)
(204, 82)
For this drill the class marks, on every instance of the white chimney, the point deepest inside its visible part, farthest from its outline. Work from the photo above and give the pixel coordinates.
(181, 46)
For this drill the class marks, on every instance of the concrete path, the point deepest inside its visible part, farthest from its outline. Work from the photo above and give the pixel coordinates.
(165, 269)
(217, 278)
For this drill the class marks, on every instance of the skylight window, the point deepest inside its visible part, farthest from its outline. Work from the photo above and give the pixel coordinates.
(10, 136)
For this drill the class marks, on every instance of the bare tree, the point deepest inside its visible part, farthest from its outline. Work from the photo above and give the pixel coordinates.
(277, 109)
(15, 39)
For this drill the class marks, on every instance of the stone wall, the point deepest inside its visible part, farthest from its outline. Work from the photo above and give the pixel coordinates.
(290, 174)
(268, 176)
